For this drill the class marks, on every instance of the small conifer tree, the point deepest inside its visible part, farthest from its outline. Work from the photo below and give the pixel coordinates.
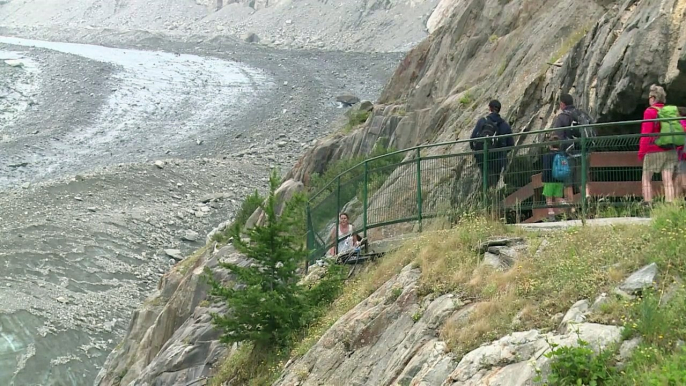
(267, 306)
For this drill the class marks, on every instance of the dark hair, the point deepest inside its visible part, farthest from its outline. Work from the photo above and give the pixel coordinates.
(567, 99)
(344, 214)
(554, 139)
(495, 105)
(682, 111)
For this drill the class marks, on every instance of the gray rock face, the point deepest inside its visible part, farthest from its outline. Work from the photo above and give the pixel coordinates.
(171, 340)
(639, 280)
(283, 195)
(382, 328)
(607, 59)
(390, 339)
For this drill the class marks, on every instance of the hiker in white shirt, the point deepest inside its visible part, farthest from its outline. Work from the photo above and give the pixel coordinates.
(345, 232)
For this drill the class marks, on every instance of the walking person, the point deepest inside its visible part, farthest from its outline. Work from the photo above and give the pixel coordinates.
(657, 157)
(488, 130)
(570, 122)
(556, 172)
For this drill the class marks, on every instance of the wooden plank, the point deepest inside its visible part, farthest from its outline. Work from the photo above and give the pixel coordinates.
(525, 192)
(621, 188)
(615, 159)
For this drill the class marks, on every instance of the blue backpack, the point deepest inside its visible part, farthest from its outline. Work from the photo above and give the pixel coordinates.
(561, 168)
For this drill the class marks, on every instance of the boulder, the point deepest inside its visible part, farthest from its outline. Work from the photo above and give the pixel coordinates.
(639, 280)
(174, 254)
(190, 236)
(250, 37)
(514, 359)
(575, 315)
(283, 194)
(366, 106)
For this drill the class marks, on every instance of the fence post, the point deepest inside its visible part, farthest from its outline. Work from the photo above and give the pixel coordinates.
(310, 236)
(584, 165)
(419, 188)
(484, 174)
(365, 198)
(338, 212)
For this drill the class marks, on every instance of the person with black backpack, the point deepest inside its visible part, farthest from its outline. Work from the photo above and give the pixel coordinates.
(572, 124)
(486, 133)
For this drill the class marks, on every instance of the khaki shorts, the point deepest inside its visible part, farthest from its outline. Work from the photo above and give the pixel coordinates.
(660, 161)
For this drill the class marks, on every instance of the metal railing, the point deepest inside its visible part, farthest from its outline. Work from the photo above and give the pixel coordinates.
(445, 179)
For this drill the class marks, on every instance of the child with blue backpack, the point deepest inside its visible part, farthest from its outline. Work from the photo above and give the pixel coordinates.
(556, 172)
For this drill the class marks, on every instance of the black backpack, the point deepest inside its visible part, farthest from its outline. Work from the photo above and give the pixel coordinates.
(489, 133)
(580, 118)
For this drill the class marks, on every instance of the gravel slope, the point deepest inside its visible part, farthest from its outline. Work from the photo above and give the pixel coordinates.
(87, 215)
(357, 25)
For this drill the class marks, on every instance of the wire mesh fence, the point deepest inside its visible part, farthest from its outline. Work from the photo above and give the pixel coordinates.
(540, 179)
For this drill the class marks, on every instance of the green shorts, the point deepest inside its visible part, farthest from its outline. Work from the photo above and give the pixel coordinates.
(553, 189)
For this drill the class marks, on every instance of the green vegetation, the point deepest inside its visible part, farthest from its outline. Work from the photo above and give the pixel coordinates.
(579, 365)
(270, 309)
(248, 207)
(558, 269)
(502, 67)
(466, 98)
(493, 38)
(568, 43)
(356, 118)
(658, 360)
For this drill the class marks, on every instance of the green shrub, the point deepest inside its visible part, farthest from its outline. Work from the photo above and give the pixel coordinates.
(659, 325)
(270, 308)
(579, 365)
(466, 98)
(672, 372)
(356, 118)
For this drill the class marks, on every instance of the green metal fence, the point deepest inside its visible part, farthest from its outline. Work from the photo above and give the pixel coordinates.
(445, 179)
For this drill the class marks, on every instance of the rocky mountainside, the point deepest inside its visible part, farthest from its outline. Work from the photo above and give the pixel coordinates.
(394, 337)
(524, 53)
(359, 25)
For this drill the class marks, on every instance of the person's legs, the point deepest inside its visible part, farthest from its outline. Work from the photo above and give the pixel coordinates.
(652, 163)
(681, 179)
(553, 192)
(549, 202)
(669, 162)
(646, 180)
(668, 182)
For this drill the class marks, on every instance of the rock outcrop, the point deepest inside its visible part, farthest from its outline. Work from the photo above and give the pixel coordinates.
(391, 338)
(171, 340)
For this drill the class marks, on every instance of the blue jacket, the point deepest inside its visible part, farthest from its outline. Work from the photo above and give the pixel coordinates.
(503, 129)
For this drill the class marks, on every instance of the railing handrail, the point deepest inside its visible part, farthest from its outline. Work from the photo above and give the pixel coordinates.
(468, 140)
(583, 141)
